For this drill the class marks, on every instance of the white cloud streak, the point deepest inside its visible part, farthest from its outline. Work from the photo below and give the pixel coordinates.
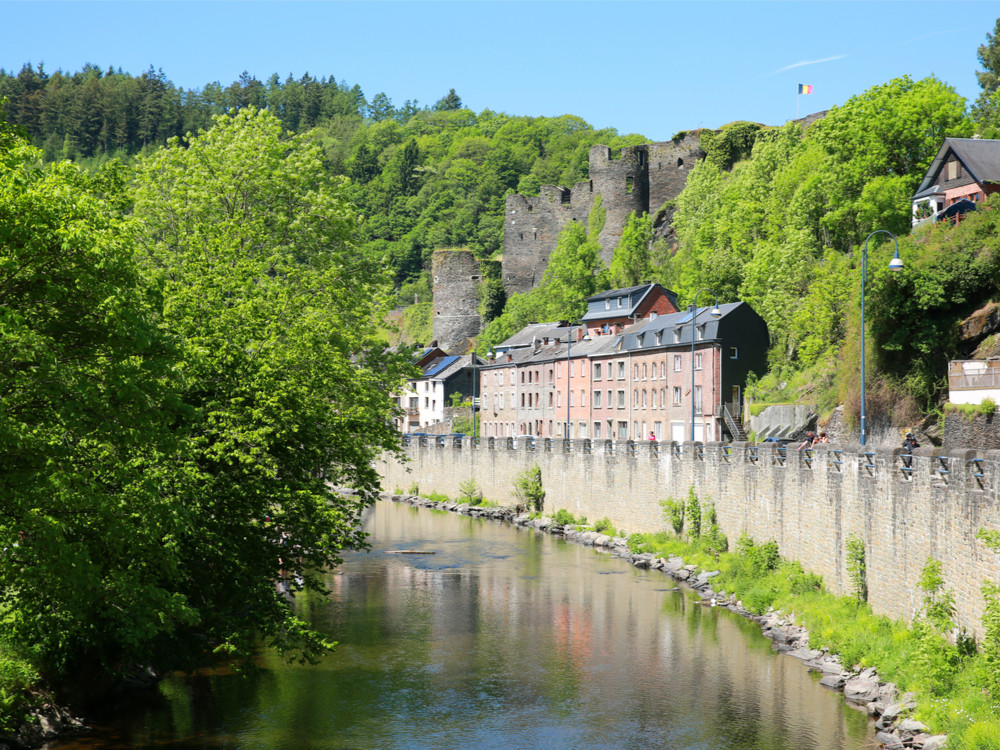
(803, 63)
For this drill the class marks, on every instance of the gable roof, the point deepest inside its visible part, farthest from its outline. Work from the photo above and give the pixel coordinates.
(979, 156)
(635, 296)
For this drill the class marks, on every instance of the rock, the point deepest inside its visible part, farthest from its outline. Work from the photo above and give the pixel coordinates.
(640, 562)
(910, 727)
(834, 681)
(862, 690)
(682, 574)
(935, 742)
(602, 540)
(805, 654)
(889, 741)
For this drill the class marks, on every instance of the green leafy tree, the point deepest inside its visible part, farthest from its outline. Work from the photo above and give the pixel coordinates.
(631, 264)
(987, 107)
(88, 396)
(248, 240)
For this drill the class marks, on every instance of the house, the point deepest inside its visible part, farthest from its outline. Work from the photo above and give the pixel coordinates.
(965, 169)
(610, 312)
(442, 374)
(616, 381)
(972, 381)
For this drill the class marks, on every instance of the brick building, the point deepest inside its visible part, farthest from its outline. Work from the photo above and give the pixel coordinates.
(623, 377)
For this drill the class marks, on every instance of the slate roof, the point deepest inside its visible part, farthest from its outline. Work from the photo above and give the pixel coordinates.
(980, 157)
(633, 294)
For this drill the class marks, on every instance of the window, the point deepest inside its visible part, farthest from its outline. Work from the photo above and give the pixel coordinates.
(652, 399)
(697, 398)
(643, 370)
(499, 401)
(551, 376)
(653, 368)
(734, 352)
(620, 302)
(621, 399)
(621, 370)
(522, 377)
(663, 397)
(701, 331)
(522, 400)
(623, 430)
(609, 402)
(677, 395)
(644, 399)
(677, 363)
(635, 373)
(597, 399)
(635, 398)
(677, 335)
(501, 377)
(597, 430)
(659, 337)
(697, 361)
(953, 170)
(559, 399)
(583, 430)
(427, 401)
(571, 398)
(638, 339)
(512, 400)
(597, 371)
(550, 400)
(571, 368)
(607, 303)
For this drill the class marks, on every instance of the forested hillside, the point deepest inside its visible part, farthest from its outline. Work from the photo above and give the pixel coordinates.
(775, 216)
(422, 177)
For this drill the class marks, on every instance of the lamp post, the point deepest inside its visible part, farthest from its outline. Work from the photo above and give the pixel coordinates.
(715, 313)
(896, 264)
(569, 348)
(475, 382)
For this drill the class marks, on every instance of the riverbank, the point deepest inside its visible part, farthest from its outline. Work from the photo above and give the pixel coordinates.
(862, 688)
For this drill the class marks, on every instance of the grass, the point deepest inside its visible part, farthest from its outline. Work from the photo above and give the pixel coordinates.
(963, 708)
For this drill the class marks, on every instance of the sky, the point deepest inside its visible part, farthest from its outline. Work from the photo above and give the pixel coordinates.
(652, 68)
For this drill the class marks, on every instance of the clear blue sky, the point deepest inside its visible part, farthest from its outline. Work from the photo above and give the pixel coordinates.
(641, 67)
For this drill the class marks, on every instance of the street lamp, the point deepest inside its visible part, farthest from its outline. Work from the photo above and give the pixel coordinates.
(715, 313)
(896, 264)
(569, 348)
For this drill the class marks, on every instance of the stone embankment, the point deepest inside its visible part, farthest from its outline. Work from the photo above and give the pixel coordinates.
(862, 688)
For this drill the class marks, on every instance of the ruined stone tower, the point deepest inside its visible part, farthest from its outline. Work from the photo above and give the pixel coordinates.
(456, 278)
(640, 180)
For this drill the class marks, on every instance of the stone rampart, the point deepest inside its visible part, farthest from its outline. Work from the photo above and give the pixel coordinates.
(809, 503)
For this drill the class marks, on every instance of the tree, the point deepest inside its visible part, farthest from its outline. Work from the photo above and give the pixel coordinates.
(87, 397)
(249, 241)
(450, 101)
(631, 264)
(986, 110)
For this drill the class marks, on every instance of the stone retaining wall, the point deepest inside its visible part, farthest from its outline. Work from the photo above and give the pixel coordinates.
(808, 504)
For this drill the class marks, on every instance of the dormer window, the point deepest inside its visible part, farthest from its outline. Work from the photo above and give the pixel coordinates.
(619, 302)
(701, 331)
(607, 304)
(639, 339)
(659, 337)
(677, 335)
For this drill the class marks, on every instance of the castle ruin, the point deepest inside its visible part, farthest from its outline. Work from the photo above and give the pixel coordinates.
(642, 179)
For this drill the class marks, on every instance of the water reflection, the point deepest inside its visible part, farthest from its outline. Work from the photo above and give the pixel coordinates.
(501, 638)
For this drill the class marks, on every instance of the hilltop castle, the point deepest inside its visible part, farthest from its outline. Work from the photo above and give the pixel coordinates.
(641, 180)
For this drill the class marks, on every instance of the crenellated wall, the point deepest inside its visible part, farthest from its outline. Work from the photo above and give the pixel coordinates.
(808, 505)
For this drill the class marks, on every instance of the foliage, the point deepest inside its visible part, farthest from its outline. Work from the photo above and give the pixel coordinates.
(528, 488)
(248, 240)
(693, 514)
(604, 526)
(673, 511)
(631, 264)
(987, 107)
(469, 492)
(938, 659)
(857, 570)
(563, 517)
(438, 497)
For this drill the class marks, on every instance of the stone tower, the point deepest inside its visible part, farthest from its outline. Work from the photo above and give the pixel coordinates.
(456, 278)
(641, 180)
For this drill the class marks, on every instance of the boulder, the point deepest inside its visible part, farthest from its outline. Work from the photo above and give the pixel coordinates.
(862, 690)
(889, 741)
(834, 681)
(935, 742)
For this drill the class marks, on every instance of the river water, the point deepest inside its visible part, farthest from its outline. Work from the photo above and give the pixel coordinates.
(502, 638)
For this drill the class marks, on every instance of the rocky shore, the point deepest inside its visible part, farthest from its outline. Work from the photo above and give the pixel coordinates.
(860, 688)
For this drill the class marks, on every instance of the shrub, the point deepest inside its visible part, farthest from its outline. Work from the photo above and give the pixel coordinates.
(603, 526)
(469, 492)
(693, 513)
(564, 518)
(673, 512)
(857, 569)
(528, 488)
(414, 489)
(437, 497)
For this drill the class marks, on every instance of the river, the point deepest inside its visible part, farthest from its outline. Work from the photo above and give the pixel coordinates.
(502, 638)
